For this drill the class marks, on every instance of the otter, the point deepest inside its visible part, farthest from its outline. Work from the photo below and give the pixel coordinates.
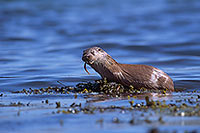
(138, 76)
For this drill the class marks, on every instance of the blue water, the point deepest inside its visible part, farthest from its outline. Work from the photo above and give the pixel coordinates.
(41, 42)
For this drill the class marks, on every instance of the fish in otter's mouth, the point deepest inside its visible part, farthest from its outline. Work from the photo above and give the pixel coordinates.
(126, 74)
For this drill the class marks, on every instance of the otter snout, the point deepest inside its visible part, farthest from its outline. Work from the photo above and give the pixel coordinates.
(94, 54)
(87, 56)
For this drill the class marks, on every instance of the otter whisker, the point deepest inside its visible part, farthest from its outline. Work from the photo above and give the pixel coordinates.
(61, 83)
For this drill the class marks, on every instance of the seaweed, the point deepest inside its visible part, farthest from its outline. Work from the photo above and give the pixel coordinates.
(111, 89)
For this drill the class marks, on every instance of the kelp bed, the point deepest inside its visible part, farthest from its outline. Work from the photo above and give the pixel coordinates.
(111, 89)
(112, 103)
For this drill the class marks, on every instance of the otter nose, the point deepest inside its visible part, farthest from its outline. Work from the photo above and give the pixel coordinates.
(88, 56)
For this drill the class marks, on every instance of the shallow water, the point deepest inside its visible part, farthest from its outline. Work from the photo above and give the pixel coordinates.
(41, 42)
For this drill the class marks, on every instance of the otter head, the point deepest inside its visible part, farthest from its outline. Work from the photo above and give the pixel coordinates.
(94, 55)
(100, 61)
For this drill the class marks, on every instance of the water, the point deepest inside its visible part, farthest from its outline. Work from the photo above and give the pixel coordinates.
(41, 42)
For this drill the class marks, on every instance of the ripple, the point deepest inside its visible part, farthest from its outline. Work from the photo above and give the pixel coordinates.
(20, 39)
(7, 60)
(143, 48)
(43, 41)
(187, 84)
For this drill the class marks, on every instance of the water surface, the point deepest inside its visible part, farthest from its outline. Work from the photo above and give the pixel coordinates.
(41, 42)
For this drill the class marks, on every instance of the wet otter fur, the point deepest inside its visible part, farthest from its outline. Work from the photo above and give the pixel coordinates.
(138, 76)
